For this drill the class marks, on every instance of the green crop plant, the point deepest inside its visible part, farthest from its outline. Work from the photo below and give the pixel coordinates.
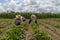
(14, 33)
(39, 34)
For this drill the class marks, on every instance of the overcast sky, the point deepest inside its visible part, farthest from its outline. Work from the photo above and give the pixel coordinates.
(30, 5)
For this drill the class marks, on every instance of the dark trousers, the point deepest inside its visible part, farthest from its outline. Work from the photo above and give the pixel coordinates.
(31, 20)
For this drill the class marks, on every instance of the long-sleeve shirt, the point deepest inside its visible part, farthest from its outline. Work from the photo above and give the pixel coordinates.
(18, 22)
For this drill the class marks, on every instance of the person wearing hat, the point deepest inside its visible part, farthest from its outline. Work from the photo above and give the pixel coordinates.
(18, 19)
(33, 18)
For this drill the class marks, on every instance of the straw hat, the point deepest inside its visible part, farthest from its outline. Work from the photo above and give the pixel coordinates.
(18, 16)
(33, 16)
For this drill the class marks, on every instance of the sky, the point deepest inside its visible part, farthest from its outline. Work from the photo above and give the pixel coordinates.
(30, 5)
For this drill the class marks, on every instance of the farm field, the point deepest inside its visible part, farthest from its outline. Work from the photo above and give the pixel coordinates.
(46, 29)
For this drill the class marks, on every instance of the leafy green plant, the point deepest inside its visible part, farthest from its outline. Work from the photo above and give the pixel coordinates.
(14, 33)
(39, 34)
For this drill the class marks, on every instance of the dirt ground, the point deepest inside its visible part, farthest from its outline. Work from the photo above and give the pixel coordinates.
(48, 27)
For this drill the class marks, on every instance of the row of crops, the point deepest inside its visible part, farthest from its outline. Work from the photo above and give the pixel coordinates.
(39, 34)
(18, 33)
(51, 24)
(27, 14)
(14, 33)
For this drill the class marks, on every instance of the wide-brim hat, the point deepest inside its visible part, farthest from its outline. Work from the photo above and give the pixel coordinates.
(17, 16)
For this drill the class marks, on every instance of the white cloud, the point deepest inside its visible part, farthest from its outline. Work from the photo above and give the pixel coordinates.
(0, 4)
(2, 9)
(31, 5)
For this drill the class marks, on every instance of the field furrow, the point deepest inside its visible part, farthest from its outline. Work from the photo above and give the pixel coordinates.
(52, 27)
(28, 33)
(51, 33)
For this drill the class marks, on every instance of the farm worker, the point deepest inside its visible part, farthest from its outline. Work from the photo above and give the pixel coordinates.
(18, 19)
(33, 18)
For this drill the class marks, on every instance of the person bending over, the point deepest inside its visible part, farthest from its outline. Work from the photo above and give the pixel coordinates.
(33, 18)
(18, 20)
